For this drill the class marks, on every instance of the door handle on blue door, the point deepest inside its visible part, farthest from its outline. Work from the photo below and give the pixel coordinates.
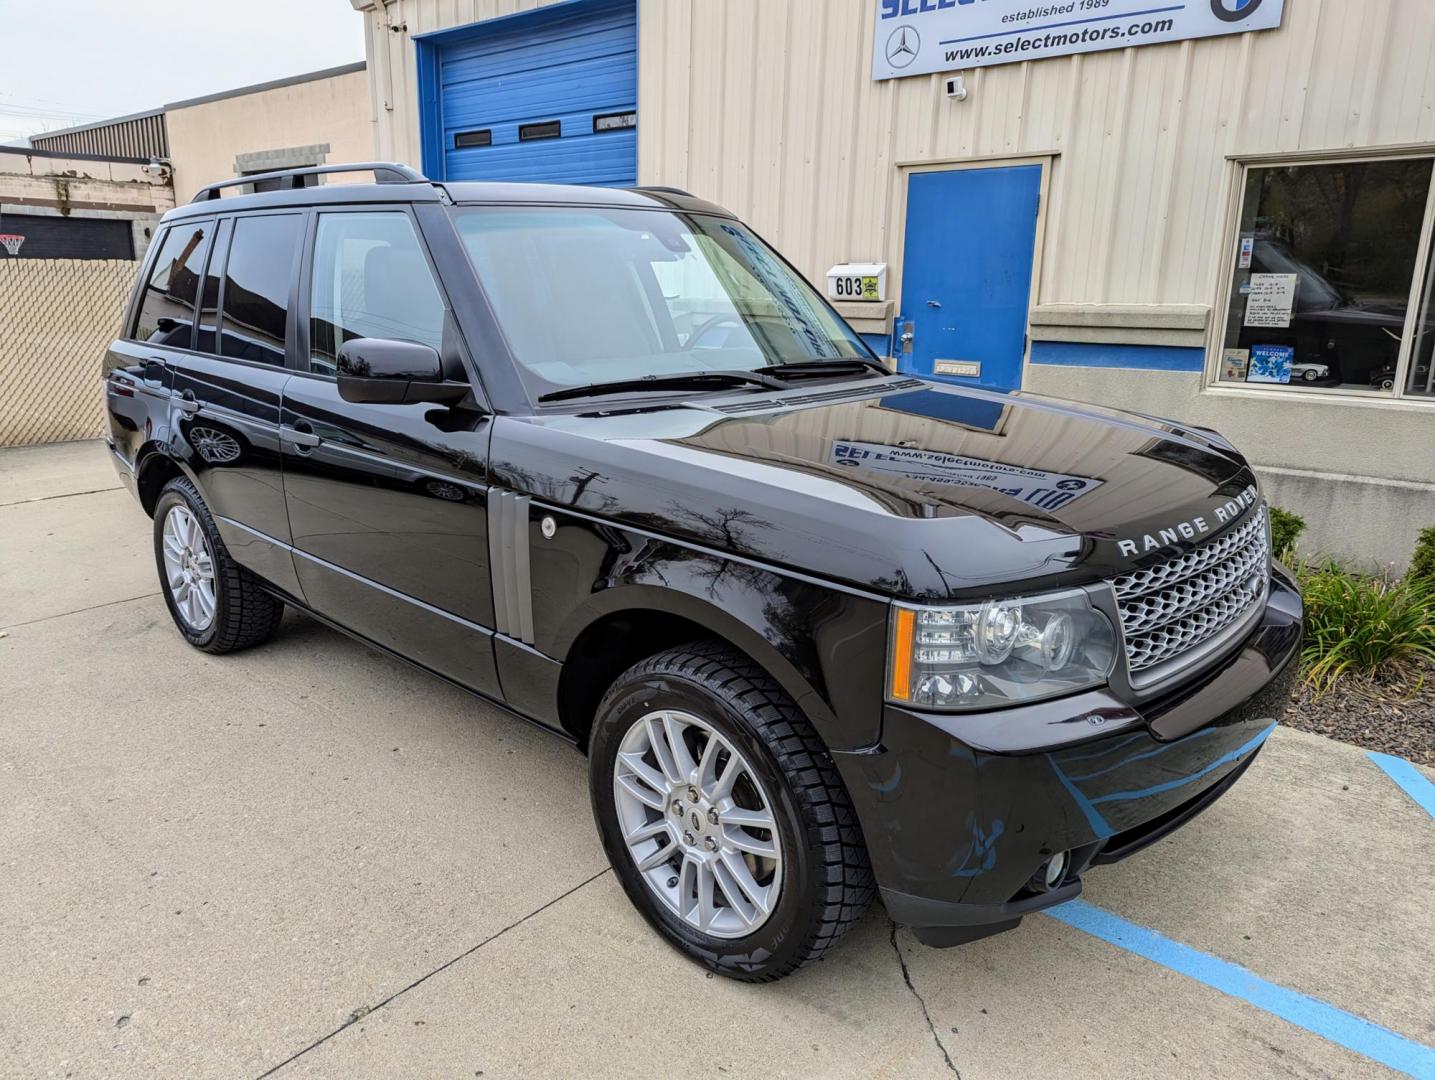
(301, 435)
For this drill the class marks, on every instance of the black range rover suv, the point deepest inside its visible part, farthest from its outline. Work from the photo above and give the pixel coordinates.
(603, 458)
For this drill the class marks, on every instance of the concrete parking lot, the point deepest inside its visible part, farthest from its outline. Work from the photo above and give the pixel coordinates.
(310, 860)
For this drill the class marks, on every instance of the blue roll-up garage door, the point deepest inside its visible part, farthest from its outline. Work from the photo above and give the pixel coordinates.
(550, 95)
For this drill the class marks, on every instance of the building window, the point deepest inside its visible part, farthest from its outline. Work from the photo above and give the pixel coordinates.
(1332, 284)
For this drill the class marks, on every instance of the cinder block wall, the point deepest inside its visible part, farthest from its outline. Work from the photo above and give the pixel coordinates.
(56, 318)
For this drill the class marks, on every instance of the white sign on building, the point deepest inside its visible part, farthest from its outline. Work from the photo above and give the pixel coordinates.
(917, 37)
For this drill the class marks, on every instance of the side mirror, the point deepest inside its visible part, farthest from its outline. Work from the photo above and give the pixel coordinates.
(376, 371)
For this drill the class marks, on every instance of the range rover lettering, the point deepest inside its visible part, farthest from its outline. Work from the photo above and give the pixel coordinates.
(826, 632)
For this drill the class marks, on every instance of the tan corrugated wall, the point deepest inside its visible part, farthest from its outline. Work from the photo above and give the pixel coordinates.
(56, 318)
(768, 107)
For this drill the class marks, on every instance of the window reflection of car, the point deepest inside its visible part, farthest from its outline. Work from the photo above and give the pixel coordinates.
(1353, 339)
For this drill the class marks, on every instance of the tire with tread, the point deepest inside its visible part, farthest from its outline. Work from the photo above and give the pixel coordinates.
(245, 614)
(828, 883)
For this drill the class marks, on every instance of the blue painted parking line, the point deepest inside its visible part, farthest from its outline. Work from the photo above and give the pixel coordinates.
(1410, 779)
(1318, 1017)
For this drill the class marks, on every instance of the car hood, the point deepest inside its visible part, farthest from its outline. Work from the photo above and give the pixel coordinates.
(908, 489)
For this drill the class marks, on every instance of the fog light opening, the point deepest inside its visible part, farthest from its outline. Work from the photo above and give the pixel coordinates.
(1051, 873)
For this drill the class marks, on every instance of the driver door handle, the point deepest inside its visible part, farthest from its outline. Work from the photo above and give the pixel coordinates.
(300, 434)
(186, 404)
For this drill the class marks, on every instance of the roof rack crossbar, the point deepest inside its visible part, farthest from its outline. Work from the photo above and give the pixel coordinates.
(385, 172)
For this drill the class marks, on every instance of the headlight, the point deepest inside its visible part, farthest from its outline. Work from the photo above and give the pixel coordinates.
(1001, 652)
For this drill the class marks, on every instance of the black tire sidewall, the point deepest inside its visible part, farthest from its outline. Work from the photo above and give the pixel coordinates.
(182, 493)
(788, 931)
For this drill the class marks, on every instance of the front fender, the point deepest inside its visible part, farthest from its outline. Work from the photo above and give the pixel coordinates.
(824, 645)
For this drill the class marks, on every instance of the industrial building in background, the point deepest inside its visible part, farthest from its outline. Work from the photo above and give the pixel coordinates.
(1220, 213)
(78, 208)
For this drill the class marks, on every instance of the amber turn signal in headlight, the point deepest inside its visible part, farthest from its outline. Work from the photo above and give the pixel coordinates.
(999, 652)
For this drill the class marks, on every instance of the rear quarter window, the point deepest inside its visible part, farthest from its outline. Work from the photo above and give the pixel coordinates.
(166, 306)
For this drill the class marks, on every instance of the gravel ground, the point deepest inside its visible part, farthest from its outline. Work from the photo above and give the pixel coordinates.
(1392, 720)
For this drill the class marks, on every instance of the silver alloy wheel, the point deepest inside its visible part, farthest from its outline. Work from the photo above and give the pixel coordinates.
(698, 824)
(189, 567)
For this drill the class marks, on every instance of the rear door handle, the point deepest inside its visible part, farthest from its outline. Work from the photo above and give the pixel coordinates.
(186, 404)
(299, 436)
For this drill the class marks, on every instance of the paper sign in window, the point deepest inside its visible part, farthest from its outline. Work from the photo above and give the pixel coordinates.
(1271, 300)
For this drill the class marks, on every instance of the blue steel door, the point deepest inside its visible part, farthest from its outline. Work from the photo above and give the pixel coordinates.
(966, 274)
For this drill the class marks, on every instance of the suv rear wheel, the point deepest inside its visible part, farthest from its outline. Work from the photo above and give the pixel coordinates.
(723, 815)
(217, 605)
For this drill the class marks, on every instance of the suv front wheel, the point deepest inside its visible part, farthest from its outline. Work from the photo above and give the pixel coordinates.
(723, 815)
(217, 605)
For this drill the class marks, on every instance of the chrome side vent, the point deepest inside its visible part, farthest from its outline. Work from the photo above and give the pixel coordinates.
(508, 564)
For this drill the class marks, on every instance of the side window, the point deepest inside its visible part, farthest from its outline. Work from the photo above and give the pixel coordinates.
(256, 284)
(166, 312)
(370, 280)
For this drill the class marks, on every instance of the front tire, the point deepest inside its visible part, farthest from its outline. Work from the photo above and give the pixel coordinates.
(217, 605)
(723, 815)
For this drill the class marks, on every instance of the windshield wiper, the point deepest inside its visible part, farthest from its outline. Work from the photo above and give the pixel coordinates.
(848, 365)
(687, 380)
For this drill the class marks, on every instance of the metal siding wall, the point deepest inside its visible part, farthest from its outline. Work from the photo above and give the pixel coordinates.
(140, 137)
(767, 106)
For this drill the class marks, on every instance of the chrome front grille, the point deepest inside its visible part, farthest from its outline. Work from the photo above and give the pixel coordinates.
(1171, 609)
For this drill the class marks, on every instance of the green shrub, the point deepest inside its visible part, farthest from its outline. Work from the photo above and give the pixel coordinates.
(1285, 528)
(1367, 627)
(1422, 566)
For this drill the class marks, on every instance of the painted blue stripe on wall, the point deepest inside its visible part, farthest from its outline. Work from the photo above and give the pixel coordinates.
(1088, 354)
(1318, 1017)
(1410, 779)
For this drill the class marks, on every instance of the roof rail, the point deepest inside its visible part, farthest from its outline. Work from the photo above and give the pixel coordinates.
(660, 187)
(385, 172)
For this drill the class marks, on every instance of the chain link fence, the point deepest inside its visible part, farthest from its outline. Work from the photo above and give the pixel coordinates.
(56, 318)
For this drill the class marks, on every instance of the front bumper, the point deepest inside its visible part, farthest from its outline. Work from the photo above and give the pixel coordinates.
(960, 812)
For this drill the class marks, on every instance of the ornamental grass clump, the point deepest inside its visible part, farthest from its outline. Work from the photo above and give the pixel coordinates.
(1285, 530)
(1369, 628)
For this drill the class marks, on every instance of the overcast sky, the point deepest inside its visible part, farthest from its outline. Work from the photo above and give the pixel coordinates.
(68, 62)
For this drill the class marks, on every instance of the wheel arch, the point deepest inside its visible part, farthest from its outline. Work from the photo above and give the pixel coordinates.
(155, 466)
(622, 625)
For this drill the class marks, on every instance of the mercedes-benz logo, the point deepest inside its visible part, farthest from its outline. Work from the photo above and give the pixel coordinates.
(902, 46)
(1234, 10)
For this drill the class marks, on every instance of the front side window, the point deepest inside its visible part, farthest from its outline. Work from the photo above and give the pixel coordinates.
(595, 294)
(257, 277)
(166, 310)
(371, 280)
(1327, 259)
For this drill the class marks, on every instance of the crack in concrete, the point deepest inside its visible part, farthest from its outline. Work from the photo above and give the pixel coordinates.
(62, 495)
(367, 1010)
(926, 1015)
(78, 611)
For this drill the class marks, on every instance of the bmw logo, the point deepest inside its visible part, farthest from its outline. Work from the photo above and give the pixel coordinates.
(1234, 10)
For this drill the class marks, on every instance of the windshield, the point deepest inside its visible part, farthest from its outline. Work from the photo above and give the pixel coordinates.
(595, 295)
